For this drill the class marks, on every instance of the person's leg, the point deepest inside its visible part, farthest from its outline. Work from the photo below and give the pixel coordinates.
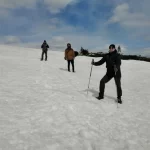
(118, 86)
(69, 65)
(42, 55)
(103, 81)
(45, 55)
(72, 63)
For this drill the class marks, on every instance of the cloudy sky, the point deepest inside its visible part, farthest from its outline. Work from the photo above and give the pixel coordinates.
(92, 24)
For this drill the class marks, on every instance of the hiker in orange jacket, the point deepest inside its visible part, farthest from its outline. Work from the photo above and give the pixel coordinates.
(69, 56)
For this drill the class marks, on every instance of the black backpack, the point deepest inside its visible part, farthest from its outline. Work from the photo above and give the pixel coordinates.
(44, 47)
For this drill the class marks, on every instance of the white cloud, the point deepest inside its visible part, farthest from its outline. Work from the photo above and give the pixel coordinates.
(6, 6)
(4, 13)
(17, 3)
(122, 15)
(147, 38)
(133, 17)
(77, 41)
(146, 52)
(56, 5)
(54, 21)
(10, 40)
(43, 28)
(46, 29)
(59, 42)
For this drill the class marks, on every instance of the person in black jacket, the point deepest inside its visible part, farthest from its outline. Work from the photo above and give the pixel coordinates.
(113, 63)
(44, 47)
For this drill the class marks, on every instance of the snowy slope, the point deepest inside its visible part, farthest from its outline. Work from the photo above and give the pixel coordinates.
(44, 107)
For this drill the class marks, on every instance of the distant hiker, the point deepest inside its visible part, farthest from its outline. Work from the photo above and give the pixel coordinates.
(69, 56)
(44, 47)
(119, 49)
(113, 63)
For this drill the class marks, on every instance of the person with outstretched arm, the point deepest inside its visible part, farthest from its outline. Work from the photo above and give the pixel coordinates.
(70, 56)
(113, 63)
(44, 47)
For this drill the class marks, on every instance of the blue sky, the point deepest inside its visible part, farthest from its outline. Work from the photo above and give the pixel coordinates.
(92, 24)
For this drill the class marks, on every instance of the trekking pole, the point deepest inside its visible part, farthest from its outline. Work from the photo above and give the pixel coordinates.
(115, 75)
(90, 75)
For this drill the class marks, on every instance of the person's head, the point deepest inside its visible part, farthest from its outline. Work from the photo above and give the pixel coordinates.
(111, 48)
(44, 41)
(68, 45)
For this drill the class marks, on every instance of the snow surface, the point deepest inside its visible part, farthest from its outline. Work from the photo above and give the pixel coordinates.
(45, 107)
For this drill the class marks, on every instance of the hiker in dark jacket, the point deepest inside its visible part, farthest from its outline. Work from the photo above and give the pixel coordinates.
(44, 47)
(113, 63)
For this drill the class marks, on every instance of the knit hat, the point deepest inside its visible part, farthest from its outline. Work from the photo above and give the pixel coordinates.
(112, 46)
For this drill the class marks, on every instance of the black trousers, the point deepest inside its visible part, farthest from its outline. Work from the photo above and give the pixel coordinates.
(106, 79)
(44, 52)
(72, 63)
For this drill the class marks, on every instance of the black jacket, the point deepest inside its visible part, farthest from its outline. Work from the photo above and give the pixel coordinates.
(112, 59)
(44, 46)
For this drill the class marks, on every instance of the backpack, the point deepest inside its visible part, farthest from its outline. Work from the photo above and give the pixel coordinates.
(44, 47)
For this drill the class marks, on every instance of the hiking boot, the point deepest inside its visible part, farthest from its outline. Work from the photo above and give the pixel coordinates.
(119, 100)
(100, 97)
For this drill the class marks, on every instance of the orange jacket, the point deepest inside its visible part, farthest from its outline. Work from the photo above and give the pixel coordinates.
(69, 54)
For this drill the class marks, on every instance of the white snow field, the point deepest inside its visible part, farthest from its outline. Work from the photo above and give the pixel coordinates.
(45, 107)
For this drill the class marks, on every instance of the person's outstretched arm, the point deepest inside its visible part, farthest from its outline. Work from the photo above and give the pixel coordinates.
(118, 62)
(99, 62)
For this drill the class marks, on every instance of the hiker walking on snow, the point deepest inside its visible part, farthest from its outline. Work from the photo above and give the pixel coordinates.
(44, 47)
(113, 63)
(69, 56)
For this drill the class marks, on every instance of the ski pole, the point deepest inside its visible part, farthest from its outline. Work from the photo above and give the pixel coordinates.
(90, 75)
(115, 75)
